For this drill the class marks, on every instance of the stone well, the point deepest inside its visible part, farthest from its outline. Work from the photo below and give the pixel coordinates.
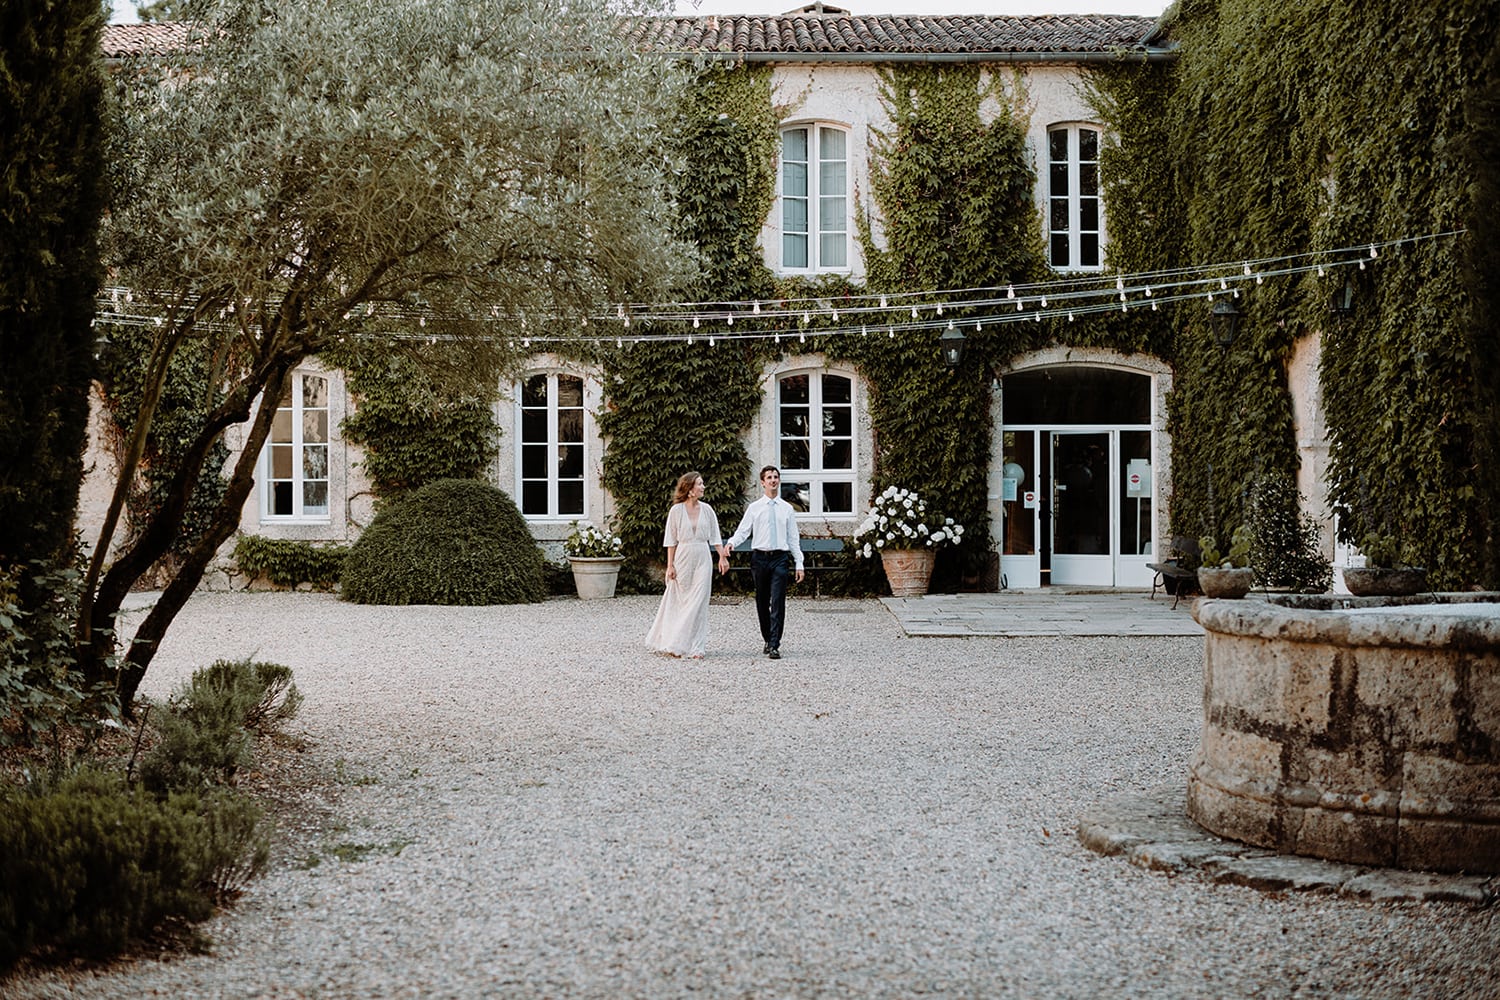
(1363, 730)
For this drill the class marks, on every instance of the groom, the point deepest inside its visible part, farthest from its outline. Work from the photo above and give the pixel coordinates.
(771, 525)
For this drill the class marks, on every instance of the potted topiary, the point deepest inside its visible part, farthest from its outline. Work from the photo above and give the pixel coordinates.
(1388, 569)
(1226, 574)
(595, 556)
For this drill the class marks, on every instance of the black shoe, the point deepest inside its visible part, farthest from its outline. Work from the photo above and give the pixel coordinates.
(775, 653)
(767, 650)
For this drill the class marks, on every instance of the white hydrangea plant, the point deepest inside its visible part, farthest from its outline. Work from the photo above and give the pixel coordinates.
(900, 519)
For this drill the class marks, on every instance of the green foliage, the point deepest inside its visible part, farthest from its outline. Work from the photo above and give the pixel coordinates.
(1481, 155)
(1287, 548)
(455, 541)
(90, 864)
(41, 689)
(52, 194)
(675, 407)
(1238, 554)
(287, 563)
(189, 392)
(207, 729)
(954, 194)
(1267, 162)
(416, 421)
(588, 542)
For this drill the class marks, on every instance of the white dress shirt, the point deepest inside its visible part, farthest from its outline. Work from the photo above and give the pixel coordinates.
(771, 524)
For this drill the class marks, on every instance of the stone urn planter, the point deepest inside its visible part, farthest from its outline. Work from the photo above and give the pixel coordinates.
(595, 578)
(909, 571)
(1385, 581)
(1232, 582)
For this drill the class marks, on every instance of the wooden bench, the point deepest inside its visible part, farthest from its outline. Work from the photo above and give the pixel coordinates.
(810, 546)
(1179, 573)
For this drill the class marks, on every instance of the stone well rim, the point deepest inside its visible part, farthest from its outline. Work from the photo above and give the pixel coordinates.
(1326, 618)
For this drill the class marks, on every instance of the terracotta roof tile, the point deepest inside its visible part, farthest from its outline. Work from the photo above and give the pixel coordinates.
(803, 33)
(124, 40)
(812, 33)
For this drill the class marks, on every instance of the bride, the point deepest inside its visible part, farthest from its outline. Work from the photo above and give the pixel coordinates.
(681, 626)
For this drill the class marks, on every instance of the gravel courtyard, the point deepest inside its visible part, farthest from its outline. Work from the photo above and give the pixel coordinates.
(524, 803)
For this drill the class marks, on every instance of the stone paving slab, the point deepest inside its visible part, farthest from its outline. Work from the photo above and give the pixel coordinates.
(1151, 830)
(1050, 611)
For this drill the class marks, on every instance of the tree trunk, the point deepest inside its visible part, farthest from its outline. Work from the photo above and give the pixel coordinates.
(226, 521)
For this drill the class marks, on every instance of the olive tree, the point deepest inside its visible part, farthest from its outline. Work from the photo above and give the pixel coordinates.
(307, 172)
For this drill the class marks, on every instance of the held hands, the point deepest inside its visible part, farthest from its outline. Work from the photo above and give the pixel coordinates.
(671, 572)
(800, 574)
(723, 563)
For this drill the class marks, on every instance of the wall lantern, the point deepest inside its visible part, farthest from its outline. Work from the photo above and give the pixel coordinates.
(1225, 320)
(951, 343)
(1341, 306)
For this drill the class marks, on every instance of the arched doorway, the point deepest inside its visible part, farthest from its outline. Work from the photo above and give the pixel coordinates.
(1079, 455)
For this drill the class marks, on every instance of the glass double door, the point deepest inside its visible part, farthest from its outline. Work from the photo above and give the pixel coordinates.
(1076, 507)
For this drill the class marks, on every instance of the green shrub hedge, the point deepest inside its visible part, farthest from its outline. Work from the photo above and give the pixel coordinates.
(90, 861)
(455, 541)
(287, 563)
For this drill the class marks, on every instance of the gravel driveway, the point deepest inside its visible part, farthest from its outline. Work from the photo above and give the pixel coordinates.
(527, 804)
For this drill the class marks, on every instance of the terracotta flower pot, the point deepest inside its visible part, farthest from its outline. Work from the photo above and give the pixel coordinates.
(909, 571)
(1232, 582)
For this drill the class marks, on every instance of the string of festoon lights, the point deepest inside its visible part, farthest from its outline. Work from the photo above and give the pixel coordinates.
(886, 314)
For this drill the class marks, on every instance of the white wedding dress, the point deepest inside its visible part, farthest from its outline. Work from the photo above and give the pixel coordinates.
(681, 626)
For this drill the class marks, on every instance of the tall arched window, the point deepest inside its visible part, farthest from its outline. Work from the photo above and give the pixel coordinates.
(815, 438)
(1074, 210)
(814, 198)
(294, 462)
(551, 460)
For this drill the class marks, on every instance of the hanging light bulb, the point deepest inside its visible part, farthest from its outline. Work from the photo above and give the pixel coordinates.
(690, 340)
(755, 307)
(890, 332)
(1044, 301)
(1153, 305)
(835, 315)
(1223, 285)
(1247, 270)
(730, 319)
(695, 322)
(882, 302)
(913, 312)
(710, 341)
(1320, 270)
(801, 338)
(1373, 252)
(864, 331)
(978, 326)
(806, 318)
(1010, 291)
(1020, 305)
(525, 341)
(940, 309)
(1070, 316)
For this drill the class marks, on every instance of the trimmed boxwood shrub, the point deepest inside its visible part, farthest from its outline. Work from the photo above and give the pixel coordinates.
(455, 541)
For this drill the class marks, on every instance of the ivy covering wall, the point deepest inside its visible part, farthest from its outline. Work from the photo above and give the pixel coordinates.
(1229, 154)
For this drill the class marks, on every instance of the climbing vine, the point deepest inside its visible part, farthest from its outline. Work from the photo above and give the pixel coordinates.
(954, 194)
(1264, 162)
(185, 401)
(417, 422)
(673, 407)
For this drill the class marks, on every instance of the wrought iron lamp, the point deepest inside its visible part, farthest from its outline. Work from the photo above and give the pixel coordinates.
(951, 343)
(1225, 321)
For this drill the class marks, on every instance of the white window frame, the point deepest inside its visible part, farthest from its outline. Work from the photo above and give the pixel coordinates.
(818, 193)
(1073, 200)
(816, 476)
(299, 478)
(552, 443)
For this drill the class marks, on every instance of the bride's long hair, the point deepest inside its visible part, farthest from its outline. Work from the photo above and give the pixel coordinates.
(685, 486)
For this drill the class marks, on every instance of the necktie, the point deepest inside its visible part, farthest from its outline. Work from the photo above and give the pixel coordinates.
(775, 525)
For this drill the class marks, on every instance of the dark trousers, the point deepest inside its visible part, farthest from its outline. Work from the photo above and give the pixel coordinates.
(771, 571)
